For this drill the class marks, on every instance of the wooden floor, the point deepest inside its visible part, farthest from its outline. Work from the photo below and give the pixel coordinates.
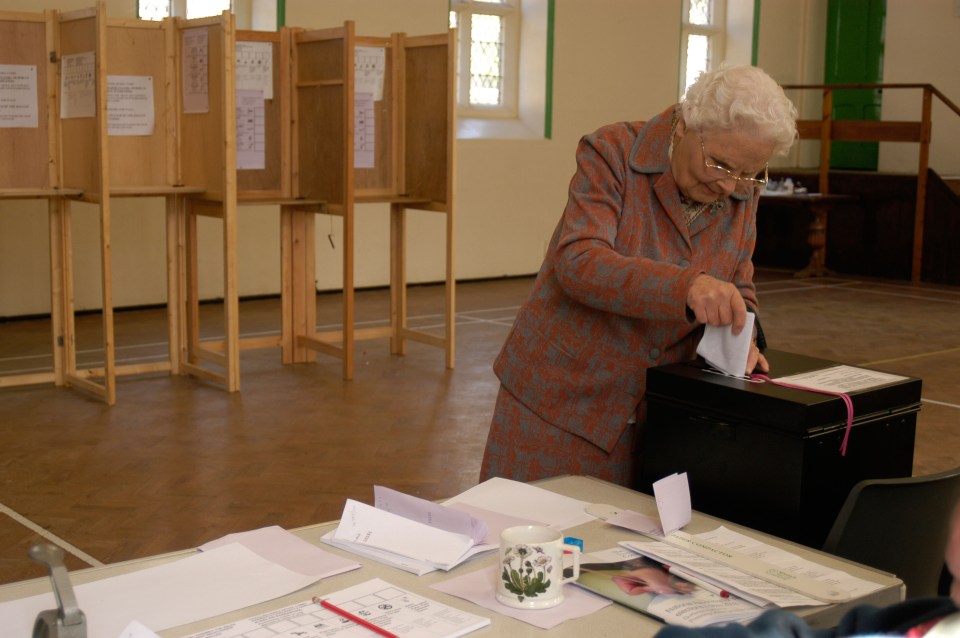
(178, 462)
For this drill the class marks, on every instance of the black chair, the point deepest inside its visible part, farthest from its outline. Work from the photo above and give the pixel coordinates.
(899, 526)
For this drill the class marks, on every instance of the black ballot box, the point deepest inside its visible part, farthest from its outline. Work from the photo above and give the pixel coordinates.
(767, 456)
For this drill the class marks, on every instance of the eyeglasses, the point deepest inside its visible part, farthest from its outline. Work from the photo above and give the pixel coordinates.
(717, 172)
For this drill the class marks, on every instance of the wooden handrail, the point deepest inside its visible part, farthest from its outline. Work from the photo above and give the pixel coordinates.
(827, 130)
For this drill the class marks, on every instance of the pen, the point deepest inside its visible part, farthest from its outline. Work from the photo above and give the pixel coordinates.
(360, 621)
(722, 593)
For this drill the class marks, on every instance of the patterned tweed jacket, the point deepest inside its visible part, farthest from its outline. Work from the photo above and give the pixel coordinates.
(610, 298)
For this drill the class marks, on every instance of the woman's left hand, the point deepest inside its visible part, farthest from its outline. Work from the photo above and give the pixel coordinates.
(756, 362)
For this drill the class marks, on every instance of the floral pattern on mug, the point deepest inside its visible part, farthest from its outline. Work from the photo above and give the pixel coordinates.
(526, 571)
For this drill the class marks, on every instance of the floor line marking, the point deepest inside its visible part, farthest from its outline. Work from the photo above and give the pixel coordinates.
(919, 355)
(943, 403)
(857, 288)
(50, 536)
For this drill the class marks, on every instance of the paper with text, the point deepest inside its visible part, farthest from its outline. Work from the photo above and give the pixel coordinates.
(747, 585)
(841, 378)
(19, 106)
(396, 610)
(362, 524)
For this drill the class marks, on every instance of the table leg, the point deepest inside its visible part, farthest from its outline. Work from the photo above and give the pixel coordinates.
(817, 239)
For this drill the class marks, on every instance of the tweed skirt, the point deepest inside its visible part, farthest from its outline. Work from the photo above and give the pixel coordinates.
(523, 447)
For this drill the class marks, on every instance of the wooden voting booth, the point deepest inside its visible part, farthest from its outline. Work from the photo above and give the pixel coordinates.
(30, 159)
(62, 157)
(94, 158)
(306, 132)
(309, 167)
(403, 157)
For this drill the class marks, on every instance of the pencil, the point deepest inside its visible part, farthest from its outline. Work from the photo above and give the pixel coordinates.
(360, 621)
(723, 593)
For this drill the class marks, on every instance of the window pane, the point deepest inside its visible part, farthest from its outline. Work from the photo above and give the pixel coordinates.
(698, 57)
(204, 8)
(486, 59)
(453, 19)
(153, 9)
(701, 12)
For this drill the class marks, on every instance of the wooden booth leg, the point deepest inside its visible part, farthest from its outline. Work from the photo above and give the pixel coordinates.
(85, 378)
(400, 332)
(398, 279)
(298, 291)
(226, 354)
(176, 306)
(349, 307)
(191, 293)
(58, 288)
(451, 297)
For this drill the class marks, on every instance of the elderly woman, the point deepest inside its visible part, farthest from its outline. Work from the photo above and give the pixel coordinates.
(655, 241)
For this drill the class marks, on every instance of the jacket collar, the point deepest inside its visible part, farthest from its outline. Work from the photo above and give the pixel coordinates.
(650, 152)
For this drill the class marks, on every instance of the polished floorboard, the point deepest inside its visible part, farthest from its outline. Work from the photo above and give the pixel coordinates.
(177, 461)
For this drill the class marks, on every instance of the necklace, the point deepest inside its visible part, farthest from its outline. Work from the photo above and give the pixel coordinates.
(692, 209)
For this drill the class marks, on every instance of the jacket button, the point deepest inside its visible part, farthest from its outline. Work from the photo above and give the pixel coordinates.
(654, 353)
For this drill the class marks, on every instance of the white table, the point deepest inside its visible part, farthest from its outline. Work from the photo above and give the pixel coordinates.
(611, 621)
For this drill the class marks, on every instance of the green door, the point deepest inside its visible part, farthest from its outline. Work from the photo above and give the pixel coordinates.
(854, 55)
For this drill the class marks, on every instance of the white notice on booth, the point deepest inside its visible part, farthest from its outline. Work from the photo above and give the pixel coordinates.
(841, 378)
(78, 86)
(196, 89)
(255, 67)
(251, 136)
(18, 96)
(370, 67)
(364, 131)
(130, 105)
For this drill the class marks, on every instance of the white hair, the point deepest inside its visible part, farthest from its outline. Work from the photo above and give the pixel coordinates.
(741, 97)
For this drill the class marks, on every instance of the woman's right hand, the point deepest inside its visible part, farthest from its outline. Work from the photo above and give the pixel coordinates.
(717, 303)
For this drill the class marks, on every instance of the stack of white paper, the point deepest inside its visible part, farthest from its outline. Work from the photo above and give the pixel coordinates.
(420, 536)
(525, 501)
(410, 533)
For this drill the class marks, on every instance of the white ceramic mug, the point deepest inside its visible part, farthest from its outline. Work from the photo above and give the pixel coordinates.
(530, 574)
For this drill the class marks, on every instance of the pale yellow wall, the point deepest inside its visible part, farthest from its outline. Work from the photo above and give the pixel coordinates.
(790, 49)
(614, 60)
(923, 46)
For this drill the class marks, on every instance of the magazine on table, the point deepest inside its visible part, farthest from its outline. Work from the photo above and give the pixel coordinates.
(644, 585)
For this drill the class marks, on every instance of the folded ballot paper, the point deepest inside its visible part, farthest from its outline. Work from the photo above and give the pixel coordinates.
(725, 351)
(411, 533)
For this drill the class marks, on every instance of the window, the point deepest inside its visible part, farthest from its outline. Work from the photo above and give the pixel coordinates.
(261, 15)
(159, 9)
(153, 9)
(702, 39)
(204, 8)
(488, 52)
